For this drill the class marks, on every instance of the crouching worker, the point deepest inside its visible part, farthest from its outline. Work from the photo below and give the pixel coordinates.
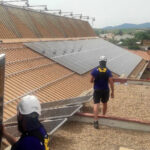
(33, 134)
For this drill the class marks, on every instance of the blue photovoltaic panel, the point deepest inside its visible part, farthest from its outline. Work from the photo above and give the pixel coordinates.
(82, 56)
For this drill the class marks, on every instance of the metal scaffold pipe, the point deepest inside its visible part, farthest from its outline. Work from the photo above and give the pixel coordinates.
(13, 1)
(2, 78)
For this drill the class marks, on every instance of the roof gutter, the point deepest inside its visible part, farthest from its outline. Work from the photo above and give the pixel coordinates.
(142, 71)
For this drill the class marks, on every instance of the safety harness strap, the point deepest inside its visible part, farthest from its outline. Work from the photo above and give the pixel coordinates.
(102, 69)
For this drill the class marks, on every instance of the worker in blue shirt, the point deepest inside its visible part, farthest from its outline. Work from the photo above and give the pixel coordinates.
(101, 76)
(33, 134)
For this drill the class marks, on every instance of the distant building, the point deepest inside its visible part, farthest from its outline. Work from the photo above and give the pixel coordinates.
(107, 36)
(124, 36)
(146, 42)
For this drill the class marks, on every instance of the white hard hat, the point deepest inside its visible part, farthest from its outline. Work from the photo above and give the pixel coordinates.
(29, 104)
(102, 58)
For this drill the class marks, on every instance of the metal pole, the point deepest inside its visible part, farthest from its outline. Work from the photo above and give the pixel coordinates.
(2, 78)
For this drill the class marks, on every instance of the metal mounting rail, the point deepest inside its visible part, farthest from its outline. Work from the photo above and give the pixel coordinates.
(19, 72)
(2, 79)
(24, 60)
(37, 89)
(74, 53)
(12, 48)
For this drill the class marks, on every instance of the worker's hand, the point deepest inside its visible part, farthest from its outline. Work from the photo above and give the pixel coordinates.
(112, 95)
(11, 139)
(3, 130)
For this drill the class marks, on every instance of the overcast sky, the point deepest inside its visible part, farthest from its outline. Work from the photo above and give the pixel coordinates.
(106, 12)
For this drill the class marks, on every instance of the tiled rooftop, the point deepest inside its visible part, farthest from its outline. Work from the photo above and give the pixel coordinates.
(29, 72)
(21, 23)
(143, 54)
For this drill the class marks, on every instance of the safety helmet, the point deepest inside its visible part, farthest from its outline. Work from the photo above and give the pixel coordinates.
(102, 58)
(29, 104)
(102, 61)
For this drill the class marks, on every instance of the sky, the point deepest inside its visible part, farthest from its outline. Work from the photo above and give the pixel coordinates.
(106, 12)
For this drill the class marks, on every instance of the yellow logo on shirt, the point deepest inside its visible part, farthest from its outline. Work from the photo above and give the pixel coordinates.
(102, 69)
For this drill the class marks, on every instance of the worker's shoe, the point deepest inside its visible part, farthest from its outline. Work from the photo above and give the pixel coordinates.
(96, 125)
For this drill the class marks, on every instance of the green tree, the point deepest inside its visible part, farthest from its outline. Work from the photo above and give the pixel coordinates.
(97, 31)
(130, 44)
(119, 32)
(142, 36)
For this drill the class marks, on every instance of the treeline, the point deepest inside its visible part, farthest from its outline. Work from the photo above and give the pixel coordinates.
(115, 31)
(130, 43)
(137, 40)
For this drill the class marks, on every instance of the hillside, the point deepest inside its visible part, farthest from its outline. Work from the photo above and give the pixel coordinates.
(129, 26)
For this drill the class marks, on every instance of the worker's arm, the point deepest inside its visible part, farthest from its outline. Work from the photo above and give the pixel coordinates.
(11, 139)
(92, 79)
(111, 82)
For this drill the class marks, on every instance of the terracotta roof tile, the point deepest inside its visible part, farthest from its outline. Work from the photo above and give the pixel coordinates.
(142, 54)
(29, 72)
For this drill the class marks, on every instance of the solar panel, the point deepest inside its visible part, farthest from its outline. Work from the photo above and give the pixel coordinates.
(54, 48)
(50, 125)
(82, 56)
(71, 101)
(53, 113)
(62, 112)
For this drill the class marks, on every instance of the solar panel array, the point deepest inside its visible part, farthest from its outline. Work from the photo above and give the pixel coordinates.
(82, 56)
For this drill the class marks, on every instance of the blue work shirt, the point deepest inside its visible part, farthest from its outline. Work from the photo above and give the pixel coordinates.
(101, 81)
(29, 142)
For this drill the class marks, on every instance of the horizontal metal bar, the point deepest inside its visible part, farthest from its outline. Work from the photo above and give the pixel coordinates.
(30, 69)
(24, 60)
(37, 89)
(12, 48)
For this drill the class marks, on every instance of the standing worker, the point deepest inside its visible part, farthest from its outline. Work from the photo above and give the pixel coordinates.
(101, 76)
(33, 134)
